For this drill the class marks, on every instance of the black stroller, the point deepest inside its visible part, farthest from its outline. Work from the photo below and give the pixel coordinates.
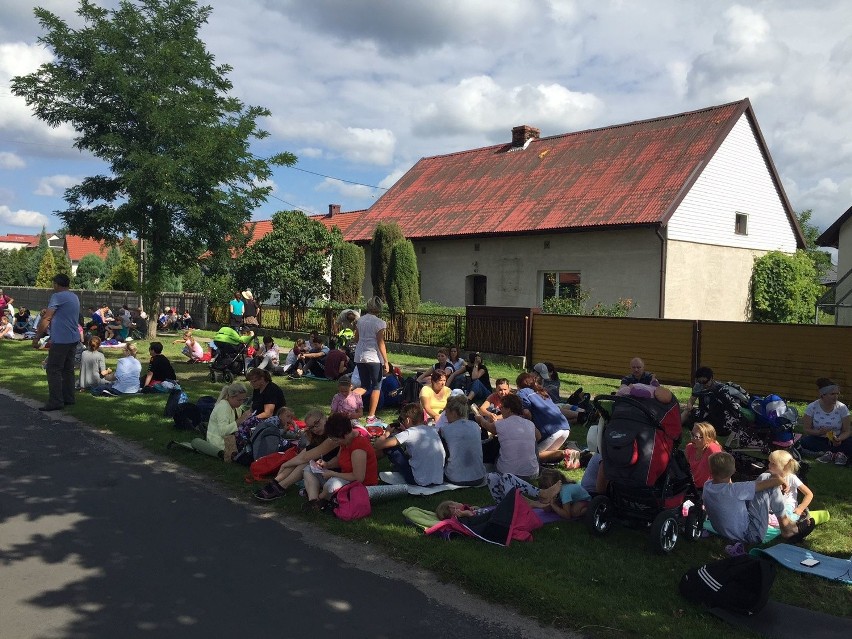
(650, 483)
(230, 359)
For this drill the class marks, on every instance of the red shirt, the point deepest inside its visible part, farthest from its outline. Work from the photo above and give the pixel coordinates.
(332, 363)
(701, 467)
(371, 476)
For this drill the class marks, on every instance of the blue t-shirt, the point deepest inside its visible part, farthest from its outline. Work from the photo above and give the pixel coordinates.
(546, 416)
(66, 317)
(569, 493)
(237, 307)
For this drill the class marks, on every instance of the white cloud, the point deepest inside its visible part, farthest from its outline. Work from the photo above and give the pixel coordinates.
(22, 217)
(357, 144)
(344, 189)
(11, 161)
(392, 178)
(55, 185)
(309, 152)
(480, 104)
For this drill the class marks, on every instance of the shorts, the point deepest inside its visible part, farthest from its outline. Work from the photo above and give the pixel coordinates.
(554, 441)
(370, 374)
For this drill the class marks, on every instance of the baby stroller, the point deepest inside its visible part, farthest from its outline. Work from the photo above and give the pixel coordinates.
(231, 353)
(650, 484)
(768, 426)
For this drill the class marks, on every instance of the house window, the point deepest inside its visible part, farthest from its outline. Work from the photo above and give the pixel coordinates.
(741, 224)
(560, 284)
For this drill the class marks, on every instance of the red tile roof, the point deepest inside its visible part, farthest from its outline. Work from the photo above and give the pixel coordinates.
(629, 174)
(341, 220)
(77, 247)
(19, 238)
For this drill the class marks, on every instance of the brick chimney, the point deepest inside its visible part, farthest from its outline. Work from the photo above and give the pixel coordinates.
(520, 134)
(333, 209)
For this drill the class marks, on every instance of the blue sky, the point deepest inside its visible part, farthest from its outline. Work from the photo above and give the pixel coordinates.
(361, 89)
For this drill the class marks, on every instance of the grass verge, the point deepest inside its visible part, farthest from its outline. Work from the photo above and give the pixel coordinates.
(565, 577)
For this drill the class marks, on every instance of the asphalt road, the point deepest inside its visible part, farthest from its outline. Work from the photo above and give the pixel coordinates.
(99, 538)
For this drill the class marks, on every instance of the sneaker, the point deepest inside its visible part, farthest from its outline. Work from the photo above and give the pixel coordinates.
(270, 492)
(827, 458)
(840, 459)
(372, 420)
(735, 550)
(805, 527)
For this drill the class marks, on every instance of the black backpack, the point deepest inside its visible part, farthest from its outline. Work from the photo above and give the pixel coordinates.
(205, 404)
(738, 584)
(187, 416)
(265, 439)
(175, 399)
(410, 391)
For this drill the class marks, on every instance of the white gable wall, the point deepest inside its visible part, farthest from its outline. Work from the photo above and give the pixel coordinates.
(735, 180)
(844, 265)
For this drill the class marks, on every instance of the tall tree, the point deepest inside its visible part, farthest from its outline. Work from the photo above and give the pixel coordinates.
(821, 259)
(403, 289)
(46, 270)
(63, 264)
(36, 257)
(293, 259)
(144, 95)
(90, 272)
(784, 288)
(347, 273)
(113, 257)
(384, 237)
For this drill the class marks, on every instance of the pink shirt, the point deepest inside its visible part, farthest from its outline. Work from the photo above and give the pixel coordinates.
(350, 403)
(701, 467)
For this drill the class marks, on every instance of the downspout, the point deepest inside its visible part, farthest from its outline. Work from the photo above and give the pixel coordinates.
(663, 255)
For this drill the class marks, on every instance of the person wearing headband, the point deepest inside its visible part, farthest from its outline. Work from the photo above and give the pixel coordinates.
(827, 426)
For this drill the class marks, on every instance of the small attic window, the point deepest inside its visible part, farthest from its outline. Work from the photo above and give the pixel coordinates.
(741, 224)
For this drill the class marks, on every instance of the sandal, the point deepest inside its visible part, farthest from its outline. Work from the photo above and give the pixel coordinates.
(806, 527)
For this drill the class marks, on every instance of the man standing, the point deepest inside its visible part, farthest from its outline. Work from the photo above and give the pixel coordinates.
(61, 315)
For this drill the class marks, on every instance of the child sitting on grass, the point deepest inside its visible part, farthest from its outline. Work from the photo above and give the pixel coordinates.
(347, 402)
(740, 511)
(782, 464)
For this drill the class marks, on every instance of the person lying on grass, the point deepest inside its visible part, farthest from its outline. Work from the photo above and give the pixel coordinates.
(355, 461)
(554, 492)
(312, 446)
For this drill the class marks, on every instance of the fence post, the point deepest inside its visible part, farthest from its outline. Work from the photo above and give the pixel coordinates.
(457, 327)
(403, 327)
(292, 318)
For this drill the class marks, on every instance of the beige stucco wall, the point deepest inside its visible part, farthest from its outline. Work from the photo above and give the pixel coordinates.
(708, 282)
(612, 264)
(844, 264)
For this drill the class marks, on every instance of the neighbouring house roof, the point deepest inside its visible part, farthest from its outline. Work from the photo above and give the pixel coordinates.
(831, 235)
(19, 238)
(334, 218)
(77, 247)
(616, 176)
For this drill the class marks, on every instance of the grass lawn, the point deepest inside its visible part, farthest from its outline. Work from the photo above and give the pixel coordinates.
(565, 577)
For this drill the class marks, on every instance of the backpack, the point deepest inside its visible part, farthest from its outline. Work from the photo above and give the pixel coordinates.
(410, 391)
(205, 404)
(352, 502)
(391, 391)
(264, 439)
(267, 466)
(176, 398)
(738, 584)
(187, 416)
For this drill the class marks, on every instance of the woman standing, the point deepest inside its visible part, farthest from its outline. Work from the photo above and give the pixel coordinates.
(371, 356)
(827, 427)
(698, 452)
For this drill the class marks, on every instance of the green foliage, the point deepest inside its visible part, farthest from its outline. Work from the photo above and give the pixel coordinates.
(63, 264)
(212, 277)
(384, 237)
(90, 271)
(113, 257)
(578, 305)
(820, 259)
(292, 259)
(403, 293)
(46, 270)
(784, 288)
(124, 277)
(347, 273)
(14, 267)
(144, 96)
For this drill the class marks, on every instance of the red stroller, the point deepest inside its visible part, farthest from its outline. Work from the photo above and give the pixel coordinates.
(649, 477)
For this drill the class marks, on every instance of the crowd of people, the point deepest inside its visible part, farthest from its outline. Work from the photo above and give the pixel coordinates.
(460, 429)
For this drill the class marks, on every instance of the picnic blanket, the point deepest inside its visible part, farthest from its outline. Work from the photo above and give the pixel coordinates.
(791, 557)
(776, 620)
(398, 480)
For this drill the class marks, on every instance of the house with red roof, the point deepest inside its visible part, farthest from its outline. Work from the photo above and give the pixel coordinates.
(76, 248)
(22, 240)
(670, 212)
(839, 236)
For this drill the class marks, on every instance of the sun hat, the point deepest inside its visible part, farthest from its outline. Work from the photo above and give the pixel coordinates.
(247, 295)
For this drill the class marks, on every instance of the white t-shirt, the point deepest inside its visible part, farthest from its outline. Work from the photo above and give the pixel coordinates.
(367, 350)
(791, 497)
(426, 452)
(832, 420)
(517, 446)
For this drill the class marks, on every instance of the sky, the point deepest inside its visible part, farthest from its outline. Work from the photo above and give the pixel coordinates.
(361, 89)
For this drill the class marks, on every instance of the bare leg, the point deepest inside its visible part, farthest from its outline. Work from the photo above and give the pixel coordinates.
(312, 484)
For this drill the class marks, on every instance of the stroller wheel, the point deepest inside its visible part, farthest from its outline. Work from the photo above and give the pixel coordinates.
(599, 516)
(694, 523)
(664, 532)
(227, 377)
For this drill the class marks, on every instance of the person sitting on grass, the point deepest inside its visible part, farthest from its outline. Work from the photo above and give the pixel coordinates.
(355, 461)
(313, 361)
(443, 364)
(548, 379)
(21, 321)
(638, 374)
(336, 362)
(313, 445)
(191, 348)
(491, 407)
(740, 511)
(782, 464)
(293, 363)
(267, 355)
(416, 451)
(698, 452)
(222, 422)
(433, 396)
(160, 369)
(7, 331)
(93, 366)
(125, 379)
(517, 436)
(345, 401)
(551, 424)
(463, 442)
(267, 398)
(827, 426)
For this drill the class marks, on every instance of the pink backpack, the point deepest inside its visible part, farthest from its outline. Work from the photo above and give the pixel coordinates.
(353, 502)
